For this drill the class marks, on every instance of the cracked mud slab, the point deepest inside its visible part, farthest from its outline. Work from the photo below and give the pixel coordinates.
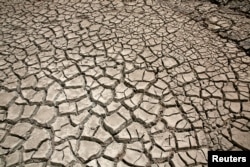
(112, 83)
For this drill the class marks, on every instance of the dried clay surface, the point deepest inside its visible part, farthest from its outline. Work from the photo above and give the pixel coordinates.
(97, 83)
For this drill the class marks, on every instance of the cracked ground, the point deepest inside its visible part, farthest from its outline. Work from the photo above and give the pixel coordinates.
(112, 83)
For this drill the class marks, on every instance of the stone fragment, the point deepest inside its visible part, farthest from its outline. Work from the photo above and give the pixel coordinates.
(186, 158)
(106, 81)
(60, 43)
(165, 164)
(160, 126)
(79, 118)
(202, 140)
(169, 100)
(177, 161)
(105, 162)
(241, 137)
(114, 123)
(122, 91)
(144, 116)
(66, 131)
(92, 163)
(172, 120)
(38, 97)
(125, 113)
(151, 105)
(21, 129)
(14, 112)
(74, 94)
(136, 158)
(11, 142)
(134, 101)
(36, 138)
(185, 140)
(114, 73)
(45, 114)
(133, 132)
(103, 136)
(198, 155)
(159, 155)
(44, 151)
(113, 106)
(91, 126)
(88, 150)
(102, 95)
(141, 75)
(122, 164)
(29, 82)
(76, 82)
(8, 97)
(169, 62)
(28, 111)
(59, 122)
(13, 159)
(245, 44)
(35, 165)
(63, 156)
(155, 91)
(53, 91)
(70, 71)
(43, 82)
(84, 104)
(2, 134)
(99, 110)
(67, 108)
(114, 150)
(165, 141)
(235, 107)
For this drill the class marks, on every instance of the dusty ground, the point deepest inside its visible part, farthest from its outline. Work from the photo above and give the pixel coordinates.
(112, 83)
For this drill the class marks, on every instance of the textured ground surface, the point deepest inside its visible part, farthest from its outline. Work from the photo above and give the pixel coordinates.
(100, 83)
